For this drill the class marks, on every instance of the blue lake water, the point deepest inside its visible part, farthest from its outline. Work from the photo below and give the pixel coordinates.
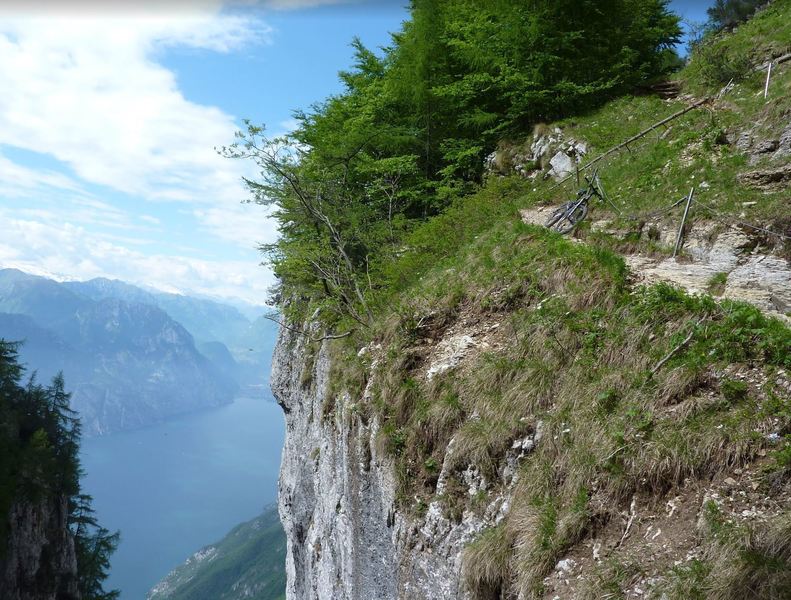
(173, 488)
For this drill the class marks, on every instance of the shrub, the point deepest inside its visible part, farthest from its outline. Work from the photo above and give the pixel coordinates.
(727, 14)
(718, 67)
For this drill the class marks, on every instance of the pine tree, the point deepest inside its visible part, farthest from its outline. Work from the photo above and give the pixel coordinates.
(39, 457)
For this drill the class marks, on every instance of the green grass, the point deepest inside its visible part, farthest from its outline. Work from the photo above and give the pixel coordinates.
(716, 285)
(580, 352)
(579, 357)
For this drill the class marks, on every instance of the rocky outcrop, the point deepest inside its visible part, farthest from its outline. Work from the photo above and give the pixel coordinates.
(726, 261)
(346, 537)
(548, 153)
(759, 146)
(39, 561)
(767, 178)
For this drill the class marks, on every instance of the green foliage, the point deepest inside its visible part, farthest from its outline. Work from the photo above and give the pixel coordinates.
(734, 390)
(719, 55)
(726, 14)
(717, 67)
(406, 138)
(716, 284)
(39, 458)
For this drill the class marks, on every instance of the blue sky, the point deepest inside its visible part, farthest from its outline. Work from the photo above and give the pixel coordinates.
(108, 122)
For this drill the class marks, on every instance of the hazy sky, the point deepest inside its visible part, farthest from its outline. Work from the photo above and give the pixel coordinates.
(109, 120)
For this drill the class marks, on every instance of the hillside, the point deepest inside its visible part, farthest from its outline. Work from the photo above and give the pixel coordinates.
(492, 410)
(246, 564)
(127, 364)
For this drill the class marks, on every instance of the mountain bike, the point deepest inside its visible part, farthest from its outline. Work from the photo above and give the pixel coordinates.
(565, 218)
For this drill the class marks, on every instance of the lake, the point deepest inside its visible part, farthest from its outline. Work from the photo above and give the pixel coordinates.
(175, 487)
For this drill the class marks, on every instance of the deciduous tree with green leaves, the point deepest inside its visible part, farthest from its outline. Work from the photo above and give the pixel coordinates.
(408, 134)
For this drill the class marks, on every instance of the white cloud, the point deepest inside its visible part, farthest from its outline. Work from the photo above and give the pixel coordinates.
(17, 181)
(297, 4)
(241, 224)
(87, 91)
(67, 251)
(84, 88)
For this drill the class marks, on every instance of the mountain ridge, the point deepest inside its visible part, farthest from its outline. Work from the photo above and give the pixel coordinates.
(126, 359)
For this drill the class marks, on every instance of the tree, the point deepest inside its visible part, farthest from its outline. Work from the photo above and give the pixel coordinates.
(408, 134)
(313, 192)
(94, 545)
(39, 457)
(727, 14)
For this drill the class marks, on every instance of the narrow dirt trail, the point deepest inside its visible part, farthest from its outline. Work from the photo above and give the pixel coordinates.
(716, 258)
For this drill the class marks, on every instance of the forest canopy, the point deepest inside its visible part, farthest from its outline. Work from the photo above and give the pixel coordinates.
(409, 133)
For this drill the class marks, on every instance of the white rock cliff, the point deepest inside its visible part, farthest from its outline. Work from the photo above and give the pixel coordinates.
(347, 539)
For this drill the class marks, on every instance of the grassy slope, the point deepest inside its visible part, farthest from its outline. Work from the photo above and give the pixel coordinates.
(579, 347)
(248, 563)
(659, 171)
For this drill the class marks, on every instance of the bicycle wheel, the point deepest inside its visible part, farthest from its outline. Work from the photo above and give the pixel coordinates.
(570, 218)
(557, 215)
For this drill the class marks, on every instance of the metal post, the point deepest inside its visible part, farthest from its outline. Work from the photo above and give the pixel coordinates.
(768, 75)
(680, 236)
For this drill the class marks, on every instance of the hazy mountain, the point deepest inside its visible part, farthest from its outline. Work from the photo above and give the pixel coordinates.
(249, 342)
(247, 564)
(48, 302)
(206, 320)
(128, 363)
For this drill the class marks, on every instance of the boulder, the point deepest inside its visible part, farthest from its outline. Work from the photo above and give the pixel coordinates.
(562, 164)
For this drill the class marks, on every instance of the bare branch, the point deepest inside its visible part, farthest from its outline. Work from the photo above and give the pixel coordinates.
(336, 336)
(672, 353)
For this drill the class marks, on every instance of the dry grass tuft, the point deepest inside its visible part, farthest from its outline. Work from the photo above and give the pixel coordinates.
(681, 383)
(486, 564)
(756, 565)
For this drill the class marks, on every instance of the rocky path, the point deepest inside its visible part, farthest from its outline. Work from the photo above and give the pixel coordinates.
(716, 258)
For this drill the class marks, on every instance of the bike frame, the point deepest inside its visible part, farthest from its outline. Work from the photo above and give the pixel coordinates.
(587, 194)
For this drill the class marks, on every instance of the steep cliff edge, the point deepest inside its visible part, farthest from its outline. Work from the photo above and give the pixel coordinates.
(507, 414)
(39, 560)
(543, 430)
(346, 538)
(51, 546)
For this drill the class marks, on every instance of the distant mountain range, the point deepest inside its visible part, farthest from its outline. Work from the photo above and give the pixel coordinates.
(132, 357)
(247, 564)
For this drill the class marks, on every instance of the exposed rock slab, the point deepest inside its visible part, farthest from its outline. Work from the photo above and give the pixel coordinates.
(767, 178)
(346, 540)
(750, 275)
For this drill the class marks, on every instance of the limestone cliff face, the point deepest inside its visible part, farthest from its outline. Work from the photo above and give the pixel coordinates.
(39, 562)
(347, 539)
